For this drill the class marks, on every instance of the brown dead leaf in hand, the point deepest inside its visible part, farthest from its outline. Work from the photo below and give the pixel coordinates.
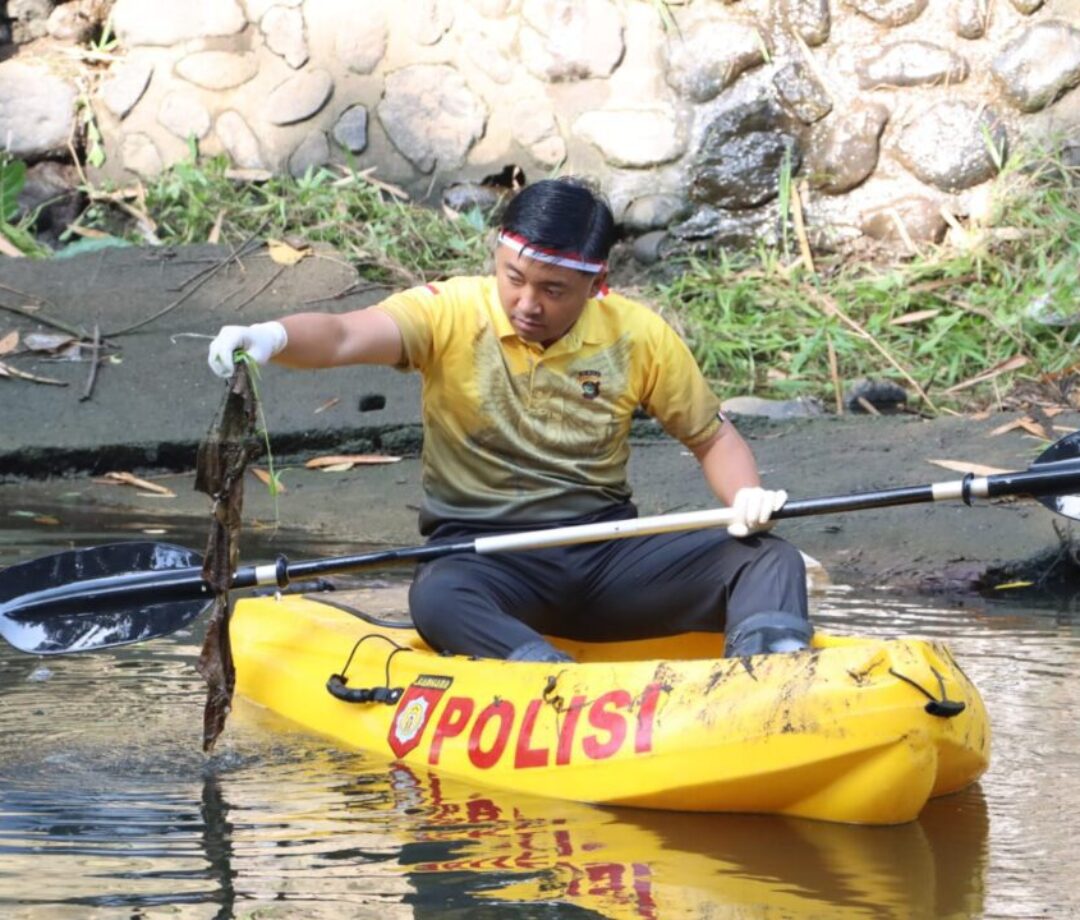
(339, 463)
(129, 479)
(223, 455)
(285, 254)
(267, 480)
(963, 466)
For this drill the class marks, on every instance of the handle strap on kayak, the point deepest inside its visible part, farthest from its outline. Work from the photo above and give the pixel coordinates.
(337, 684)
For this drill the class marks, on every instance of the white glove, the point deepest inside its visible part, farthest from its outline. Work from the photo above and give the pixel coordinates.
(262, 341)
(753, 507)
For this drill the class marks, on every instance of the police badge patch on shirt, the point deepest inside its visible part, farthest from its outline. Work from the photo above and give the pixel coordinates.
(590, 383)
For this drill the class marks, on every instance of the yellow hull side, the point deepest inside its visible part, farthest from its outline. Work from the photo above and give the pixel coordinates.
(833, 733)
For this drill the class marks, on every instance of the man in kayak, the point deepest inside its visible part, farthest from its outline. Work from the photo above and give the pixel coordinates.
(530, 381)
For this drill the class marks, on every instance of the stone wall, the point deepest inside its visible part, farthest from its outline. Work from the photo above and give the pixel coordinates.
(892, 115)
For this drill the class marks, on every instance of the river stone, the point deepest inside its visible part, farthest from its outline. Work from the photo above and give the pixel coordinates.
(166, 22)
(140, 156)
(1039, 65)
(970, 18)
(299, 97)
(843, 151)
(721, 227)
(350, 130)
(360, 38)
(889, 12)
(29, 18)
(910, 63)
(431, 116)
(535, 128)
(647, 249)
(257, 9)
(184, 115)
(651, 212)
(69, 23)
(474, 196)
(125, 85)
(1027, 7)
(37, 110)
(550, 152)
(947, 145)
(809, 19)
(633, 138)
(492, 9)
(239, 140)
(801, 92)
(217, 69)
(799, 407)
(741, 156)
(707, 57)
(564, 40)
(489, 56)
(312, 152)
(920, 218)
(428, 20)
(283, 29)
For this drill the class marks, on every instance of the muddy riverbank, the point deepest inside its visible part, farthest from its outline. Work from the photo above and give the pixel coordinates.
(152, 398)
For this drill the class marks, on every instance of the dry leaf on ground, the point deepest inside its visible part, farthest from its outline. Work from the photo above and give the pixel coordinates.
(1026, 423)
(341, 462)
(963, 466)
(916, 317)
(129, 479)
(267, 480)
(6, 370)
(284, 254)
(1012, 364)
(9, 342)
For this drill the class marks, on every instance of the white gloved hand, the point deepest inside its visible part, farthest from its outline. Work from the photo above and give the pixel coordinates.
(262, 341)
(753, 507)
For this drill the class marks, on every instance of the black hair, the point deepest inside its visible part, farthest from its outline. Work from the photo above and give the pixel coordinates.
(563, 214)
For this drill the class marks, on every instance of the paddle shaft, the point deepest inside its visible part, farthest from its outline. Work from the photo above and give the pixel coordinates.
(159, 587)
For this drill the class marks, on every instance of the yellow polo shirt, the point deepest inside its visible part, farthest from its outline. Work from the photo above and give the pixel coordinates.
(519, 433)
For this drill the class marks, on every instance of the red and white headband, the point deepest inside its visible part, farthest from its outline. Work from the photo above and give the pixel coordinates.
(574, 260)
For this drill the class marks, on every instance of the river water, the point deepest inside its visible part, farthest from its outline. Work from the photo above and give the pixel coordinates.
(108, 808)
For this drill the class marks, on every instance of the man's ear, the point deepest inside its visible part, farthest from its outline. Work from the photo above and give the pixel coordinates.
(599, 281)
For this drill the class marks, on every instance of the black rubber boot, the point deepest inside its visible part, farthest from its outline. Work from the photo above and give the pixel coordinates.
(538, 650)
(768, 633)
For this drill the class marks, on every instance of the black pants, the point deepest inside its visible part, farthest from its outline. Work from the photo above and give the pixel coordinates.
(632, 588)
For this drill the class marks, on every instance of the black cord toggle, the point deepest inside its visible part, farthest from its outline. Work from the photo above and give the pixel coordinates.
(944, 707)
(337, 685)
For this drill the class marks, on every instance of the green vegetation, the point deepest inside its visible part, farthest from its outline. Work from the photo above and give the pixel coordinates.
(1010, 298)
(1005, 306)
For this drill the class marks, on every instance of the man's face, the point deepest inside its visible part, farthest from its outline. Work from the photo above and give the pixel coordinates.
(542, 301)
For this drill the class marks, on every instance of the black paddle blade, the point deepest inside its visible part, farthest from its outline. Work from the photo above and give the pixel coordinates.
(1063, 452)
(40, 612)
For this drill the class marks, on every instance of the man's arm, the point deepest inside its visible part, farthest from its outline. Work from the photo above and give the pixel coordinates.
(732, 473)
(311, 340)
(366, 336)
(728, 463)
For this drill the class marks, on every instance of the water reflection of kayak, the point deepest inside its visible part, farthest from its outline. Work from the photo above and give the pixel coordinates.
(854, 730)
(628, 863)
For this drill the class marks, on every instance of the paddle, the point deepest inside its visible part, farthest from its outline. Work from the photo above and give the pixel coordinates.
(102, 596)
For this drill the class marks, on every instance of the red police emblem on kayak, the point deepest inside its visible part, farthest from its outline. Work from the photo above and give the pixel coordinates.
(414, 712)
(590, 383)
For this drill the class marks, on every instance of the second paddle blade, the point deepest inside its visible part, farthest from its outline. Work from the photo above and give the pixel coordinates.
(63, 602)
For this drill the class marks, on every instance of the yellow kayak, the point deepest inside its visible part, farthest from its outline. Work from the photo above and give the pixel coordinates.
(854, 730)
